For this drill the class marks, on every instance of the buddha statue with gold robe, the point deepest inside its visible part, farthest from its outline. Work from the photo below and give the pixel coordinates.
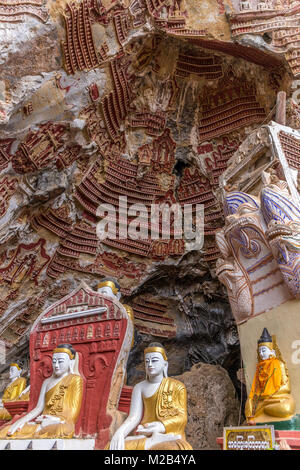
(110, 287)
(13, 390)
(270, 395)
(58, 405)
(158, 409)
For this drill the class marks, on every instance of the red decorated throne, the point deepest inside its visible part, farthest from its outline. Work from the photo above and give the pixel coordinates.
(99, 329)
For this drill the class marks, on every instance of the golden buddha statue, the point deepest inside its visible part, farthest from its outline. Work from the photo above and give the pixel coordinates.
(13, 390)
(58, 405)
(158, 409)
(270, 396)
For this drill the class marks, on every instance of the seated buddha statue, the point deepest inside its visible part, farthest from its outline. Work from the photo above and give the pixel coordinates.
(13, 390)
(58, 404)
(158, 409)
(270, 396)
(110, 287)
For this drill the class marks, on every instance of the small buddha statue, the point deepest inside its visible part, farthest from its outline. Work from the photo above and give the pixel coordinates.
(13, 390)
(58, 405)
(270, 396)
(158, 409)
(110, 287)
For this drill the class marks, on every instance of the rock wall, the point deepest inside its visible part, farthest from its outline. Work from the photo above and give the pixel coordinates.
(212, 404)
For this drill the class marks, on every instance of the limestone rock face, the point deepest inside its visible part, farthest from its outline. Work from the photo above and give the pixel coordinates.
(212, 404)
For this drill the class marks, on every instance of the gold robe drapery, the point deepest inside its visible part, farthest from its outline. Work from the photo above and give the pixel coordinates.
(169, 406)
(62, 401)
(11, 393)
(270, 394)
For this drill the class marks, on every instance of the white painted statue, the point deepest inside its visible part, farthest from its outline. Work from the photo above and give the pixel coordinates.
(158, 409)
(58, 404)
(13, 390)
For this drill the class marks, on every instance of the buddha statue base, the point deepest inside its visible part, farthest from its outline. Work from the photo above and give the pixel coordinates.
(47, 444)
(275, 409)
(291, 424)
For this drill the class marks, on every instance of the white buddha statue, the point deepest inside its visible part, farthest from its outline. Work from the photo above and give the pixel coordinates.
(110, 287)
(58, 405)
(13, 390)
(158, 409)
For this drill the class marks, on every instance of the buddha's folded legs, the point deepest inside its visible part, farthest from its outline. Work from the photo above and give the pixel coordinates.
(34, 431)
(4, 414)
(179, 444)
(56, 431)
(26, 432)
(280, 407)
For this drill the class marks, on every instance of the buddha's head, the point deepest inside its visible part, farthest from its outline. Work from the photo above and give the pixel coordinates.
(62, 359)
(15, 370)
(265, 346)
(156, 362)
(109, 286)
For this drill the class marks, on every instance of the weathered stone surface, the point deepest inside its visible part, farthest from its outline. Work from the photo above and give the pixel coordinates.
(212, 404)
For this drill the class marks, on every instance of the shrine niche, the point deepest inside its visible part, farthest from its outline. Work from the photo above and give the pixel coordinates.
(99, 329)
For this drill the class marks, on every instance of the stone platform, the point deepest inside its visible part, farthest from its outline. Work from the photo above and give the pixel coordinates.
(47, 444)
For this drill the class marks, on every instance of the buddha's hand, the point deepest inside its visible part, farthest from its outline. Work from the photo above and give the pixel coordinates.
(118, 441)
(152, 428)
(17, 426)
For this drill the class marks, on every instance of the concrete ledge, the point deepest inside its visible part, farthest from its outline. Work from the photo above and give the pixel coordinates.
(47, 444)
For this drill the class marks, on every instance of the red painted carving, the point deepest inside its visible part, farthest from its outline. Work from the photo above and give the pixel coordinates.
(7, 189)
(26, 262)
(67, 156)
(125, 399)
(250, 54)
(5, 146)
(56, 221)
(291, 148)
(121, 179)
(122, 26)
(116, 104)
(81, 239)
(282, 23)
(79, 49)
(94, 92)
(150, 311)
(102, 342)
(203, 65)
(231, 106)
(39, 148)
(13, 11)
(107, 146)
(154, 123)
(216, 161)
